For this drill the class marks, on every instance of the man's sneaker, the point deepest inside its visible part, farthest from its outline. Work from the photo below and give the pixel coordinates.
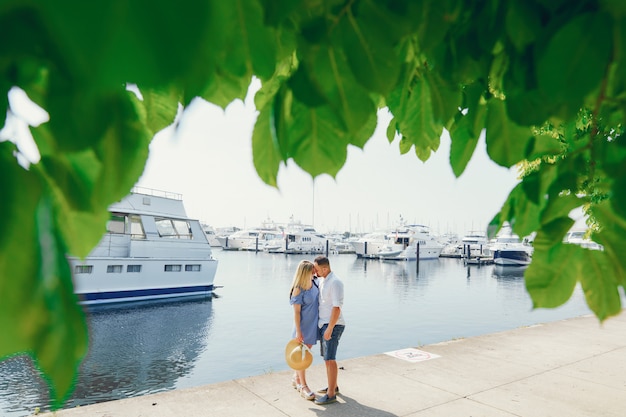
(326, 400)
(325, 390)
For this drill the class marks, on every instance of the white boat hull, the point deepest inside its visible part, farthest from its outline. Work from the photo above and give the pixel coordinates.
(410, 254)
(399, 244)
(506, 262)
(151, 283)
(151, 251)
(511, 258)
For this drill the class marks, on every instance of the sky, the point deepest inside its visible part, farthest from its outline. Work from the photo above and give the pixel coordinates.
(208, 160)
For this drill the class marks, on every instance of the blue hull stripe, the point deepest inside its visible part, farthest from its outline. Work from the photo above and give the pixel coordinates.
(516, 255)
(145, 293)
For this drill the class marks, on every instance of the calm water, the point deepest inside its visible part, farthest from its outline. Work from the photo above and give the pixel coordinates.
(388, 306)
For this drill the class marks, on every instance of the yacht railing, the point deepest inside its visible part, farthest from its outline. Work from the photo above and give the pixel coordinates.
(157, 193)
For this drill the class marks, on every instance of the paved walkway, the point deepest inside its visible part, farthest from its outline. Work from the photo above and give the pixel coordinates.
(570, 368)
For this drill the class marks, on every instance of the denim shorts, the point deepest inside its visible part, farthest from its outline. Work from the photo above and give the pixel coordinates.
(328, 348)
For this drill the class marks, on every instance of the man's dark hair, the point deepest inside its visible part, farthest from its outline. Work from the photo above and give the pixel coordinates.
(322, 260)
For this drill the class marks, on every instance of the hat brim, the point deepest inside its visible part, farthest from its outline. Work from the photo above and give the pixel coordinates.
(296, 362)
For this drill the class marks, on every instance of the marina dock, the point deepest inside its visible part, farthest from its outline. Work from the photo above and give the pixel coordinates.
(573, 368)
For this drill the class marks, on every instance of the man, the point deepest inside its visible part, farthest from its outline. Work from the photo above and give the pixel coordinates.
(331, 324)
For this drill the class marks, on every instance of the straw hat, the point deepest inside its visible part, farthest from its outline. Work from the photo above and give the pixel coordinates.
(297, 358)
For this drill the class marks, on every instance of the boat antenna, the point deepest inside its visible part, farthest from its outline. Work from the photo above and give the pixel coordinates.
(313, 204)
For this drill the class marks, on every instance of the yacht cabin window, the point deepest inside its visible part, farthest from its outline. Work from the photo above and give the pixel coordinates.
(175, 229)
(194, 267)
(116, 223)
(173, 268)
(83, 269)
(182, 229)
(136, 228)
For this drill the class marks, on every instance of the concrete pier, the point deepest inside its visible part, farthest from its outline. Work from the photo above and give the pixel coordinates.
(570, 368)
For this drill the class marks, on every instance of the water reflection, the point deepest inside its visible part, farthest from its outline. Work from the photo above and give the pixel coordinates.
(142, 349)
(21, 390)
(400, 271)
(134, 350)
(509, 272)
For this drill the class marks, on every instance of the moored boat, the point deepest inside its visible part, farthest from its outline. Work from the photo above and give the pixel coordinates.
(475, 245)
(400, 243)
(298, 238)
(509, 250)
(151, 250)
(211, 235)
(253, 239)
(580, 237)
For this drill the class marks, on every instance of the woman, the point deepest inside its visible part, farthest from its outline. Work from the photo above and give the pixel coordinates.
(303, 296)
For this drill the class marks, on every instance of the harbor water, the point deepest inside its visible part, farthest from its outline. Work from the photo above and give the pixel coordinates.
(242, 331)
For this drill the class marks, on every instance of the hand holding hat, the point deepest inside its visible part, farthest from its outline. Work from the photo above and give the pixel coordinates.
(298, 355)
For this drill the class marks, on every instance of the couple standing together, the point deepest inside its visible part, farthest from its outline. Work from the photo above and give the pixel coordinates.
(317, 299)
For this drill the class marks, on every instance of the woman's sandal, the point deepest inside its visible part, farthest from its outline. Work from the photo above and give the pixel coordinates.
(306, 393)
(294, 383)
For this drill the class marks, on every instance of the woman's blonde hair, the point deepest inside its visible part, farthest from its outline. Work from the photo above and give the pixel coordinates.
(302, 278)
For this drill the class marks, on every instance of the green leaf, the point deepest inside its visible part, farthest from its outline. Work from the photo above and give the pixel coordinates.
(62, 343)
(412, 109)
(553, 232)
(520, 212)
(304, 90)
(266, 157)
(278, 10)
(222, 88)
(611, 238)
(161, 106)
(522, 24)
(363, 135)
(463, 144)
(543, 145)
(329, 71)
(445, 98)
(76, 175)
(85, 183)
(309, 128)
(254, 42)
(556, 268)
(531, 184)
(526, 105)
(270, 88)
(553, 273)
(575, 58)
(369, 53)
(391, 21)
(618, 199)
(433, 21)
(114, 43)
(560, 206)
(39, 314)
(599, 284)
(466, 127)
(506, 141)
(405, 145)
(392, 129)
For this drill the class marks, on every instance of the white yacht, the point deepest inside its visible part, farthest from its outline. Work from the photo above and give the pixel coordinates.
(475, 244)
(509, 250)
(400, 243)
(151, 250)
(299, 238)
(254, 239)
(579, 236)
(211, 235)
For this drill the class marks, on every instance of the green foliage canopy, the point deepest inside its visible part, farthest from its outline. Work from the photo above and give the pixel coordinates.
(546, 79)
